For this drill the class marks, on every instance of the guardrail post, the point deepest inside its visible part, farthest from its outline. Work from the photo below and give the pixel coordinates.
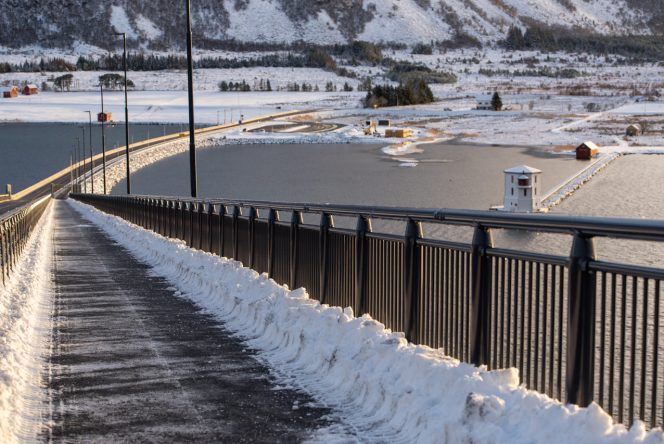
(580, 322)
(326, 222)
(252, 235)
(272, 218)
(210, 212)
(199, 225)
(171, 217)
(296, 219)
(411, 268)
(235, 214)
(480, 295)
(222, 224)
(3, 252)
(361, 260)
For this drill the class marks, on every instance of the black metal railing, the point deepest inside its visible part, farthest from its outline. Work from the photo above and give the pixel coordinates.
(578, 329)
(15, 229)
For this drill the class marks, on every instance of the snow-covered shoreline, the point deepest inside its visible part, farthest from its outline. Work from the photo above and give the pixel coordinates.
(25, 333)
(384, 387)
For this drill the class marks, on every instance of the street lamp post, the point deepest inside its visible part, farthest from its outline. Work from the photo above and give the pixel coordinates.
(85, 182)
(92, 163)
(103, 138)
(71, 171)
(78, 165)
(190, 85)
(124, 60)
(75, 169)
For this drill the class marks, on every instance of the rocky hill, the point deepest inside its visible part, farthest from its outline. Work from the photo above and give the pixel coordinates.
(157, 24)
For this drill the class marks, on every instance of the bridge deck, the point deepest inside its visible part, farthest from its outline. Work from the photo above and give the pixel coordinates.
(132, 361)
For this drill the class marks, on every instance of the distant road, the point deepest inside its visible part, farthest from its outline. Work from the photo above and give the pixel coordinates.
(61, 178)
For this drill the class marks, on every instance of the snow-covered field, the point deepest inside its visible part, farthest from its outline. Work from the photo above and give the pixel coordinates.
(25, 329)
(553, 111)
(164, 106)
(387, 389)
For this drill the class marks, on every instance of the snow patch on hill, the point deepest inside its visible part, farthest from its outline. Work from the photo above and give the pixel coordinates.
(265, 21)
(120, 22)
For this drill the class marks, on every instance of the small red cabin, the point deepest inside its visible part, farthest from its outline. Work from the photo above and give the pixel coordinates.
(10, 92)
(31, 89)
(586, 151)
(104, 117)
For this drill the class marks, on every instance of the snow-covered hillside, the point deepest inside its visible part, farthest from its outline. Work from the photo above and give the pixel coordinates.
(157, 24)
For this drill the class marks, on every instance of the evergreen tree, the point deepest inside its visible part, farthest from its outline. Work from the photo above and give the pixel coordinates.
(496, 102)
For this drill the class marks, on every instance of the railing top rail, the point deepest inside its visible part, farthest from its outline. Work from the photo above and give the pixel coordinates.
(590, 226)
(13, 212)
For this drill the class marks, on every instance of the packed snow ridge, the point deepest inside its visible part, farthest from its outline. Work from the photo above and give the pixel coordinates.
(25, 329)
(385, 388)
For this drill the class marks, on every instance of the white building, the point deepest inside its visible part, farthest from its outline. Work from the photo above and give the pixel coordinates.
(484, 102)
(522, 190)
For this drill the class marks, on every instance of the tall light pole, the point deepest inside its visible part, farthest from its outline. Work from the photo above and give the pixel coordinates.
(92, 163)
(103, 138)
(85, 183)
(76, 169)
(78, 165)
(71, 171)
(190, 85)
(124, 60)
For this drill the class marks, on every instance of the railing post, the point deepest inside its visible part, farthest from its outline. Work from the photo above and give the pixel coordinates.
(199, 224)
(236, 212)
(326, 222)
(171, 217)
(272, 218)
(480, 295)
(210, 212)
(361, 260)
(252, 235)
(411, 268)
(580, 322)
(222, 224)
(296, 219)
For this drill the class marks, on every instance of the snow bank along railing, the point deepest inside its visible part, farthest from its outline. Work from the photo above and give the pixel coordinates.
(577, 328)
(15, 229)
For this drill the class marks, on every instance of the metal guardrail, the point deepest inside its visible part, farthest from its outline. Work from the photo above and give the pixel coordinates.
(578, 329)
(15, 230)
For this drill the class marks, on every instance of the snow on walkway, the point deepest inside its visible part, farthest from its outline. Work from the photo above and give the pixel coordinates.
(25, 328)
(388, 389)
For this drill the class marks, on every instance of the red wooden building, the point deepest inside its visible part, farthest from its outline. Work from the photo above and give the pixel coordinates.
(586, 151)
(104, 117)
(30, 90)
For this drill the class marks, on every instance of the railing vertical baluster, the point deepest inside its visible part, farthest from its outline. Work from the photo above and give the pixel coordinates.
(580, 322)
(296, 219)
(326, 222)
(361, 261)
(272, 218)
(411, 276)
(210, 212)
(480, 297)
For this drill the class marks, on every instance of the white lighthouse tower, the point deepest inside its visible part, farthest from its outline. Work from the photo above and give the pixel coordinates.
(522, 190)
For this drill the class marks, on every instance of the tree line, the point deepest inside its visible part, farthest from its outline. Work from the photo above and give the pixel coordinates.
(552, 39)
(414, 92)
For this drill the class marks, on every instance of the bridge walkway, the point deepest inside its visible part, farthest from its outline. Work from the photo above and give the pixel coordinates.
(134, 362)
